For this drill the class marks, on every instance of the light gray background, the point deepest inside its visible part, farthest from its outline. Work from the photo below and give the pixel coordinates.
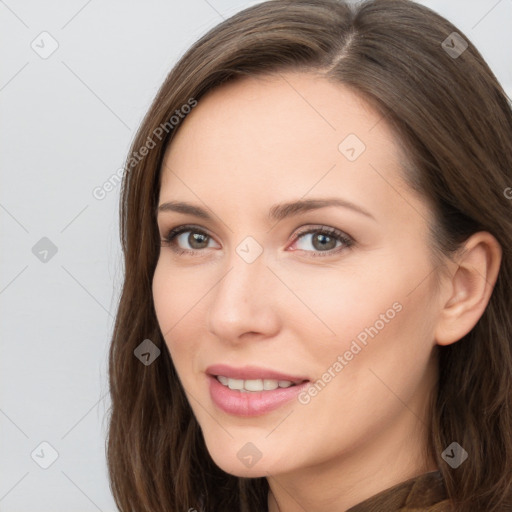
(66, 125)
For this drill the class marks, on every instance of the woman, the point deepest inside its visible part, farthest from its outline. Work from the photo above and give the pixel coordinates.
(317, 240)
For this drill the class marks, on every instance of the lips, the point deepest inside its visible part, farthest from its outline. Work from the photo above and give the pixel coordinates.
(252, 391)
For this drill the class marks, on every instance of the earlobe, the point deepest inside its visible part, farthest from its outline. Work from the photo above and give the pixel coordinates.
(470, 287)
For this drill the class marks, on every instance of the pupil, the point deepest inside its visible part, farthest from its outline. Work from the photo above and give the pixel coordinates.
(196, 237)
(322, 239)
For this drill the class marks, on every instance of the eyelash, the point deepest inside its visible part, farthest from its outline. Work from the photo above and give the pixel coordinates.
(330, 232)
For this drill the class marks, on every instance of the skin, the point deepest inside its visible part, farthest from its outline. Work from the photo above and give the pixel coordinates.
(248, 145)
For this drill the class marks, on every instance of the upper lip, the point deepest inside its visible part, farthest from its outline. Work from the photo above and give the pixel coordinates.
(251, 372)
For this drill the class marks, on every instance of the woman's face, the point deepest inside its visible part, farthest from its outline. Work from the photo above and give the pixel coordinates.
(265, 297)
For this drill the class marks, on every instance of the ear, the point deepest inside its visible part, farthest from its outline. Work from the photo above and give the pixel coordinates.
(469, 289)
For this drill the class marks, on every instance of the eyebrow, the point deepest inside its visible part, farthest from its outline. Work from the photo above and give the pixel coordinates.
(277, 212)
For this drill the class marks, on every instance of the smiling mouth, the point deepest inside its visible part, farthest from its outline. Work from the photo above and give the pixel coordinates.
(242, 392)
(255, 385)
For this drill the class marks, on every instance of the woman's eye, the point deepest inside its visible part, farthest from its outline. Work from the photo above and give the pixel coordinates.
(323, 240)
(187, 239)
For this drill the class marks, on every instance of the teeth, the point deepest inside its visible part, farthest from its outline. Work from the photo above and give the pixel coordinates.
(223, 380)
(253, 384)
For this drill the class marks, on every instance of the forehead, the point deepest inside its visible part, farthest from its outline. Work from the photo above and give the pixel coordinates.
(280, 137)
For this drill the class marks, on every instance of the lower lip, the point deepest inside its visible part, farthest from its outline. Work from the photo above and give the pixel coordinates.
(252, 403)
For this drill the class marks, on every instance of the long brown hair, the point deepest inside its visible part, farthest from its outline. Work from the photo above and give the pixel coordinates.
(455, 122)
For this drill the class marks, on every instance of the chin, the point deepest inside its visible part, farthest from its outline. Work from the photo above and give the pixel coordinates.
(236, 470)
(245, 460)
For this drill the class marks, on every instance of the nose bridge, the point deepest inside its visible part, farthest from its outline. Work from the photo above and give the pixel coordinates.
(243, 299)
(241, 285)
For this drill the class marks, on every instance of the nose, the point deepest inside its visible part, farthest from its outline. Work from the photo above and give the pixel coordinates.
(245, 301)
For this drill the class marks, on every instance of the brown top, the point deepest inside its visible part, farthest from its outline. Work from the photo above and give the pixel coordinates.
(424, 493)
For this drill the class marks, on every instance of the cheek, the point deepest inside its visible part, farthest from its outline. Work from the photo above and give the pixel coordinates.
(372, 316)
(178, 293)
(177, 307)
(332, 306)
